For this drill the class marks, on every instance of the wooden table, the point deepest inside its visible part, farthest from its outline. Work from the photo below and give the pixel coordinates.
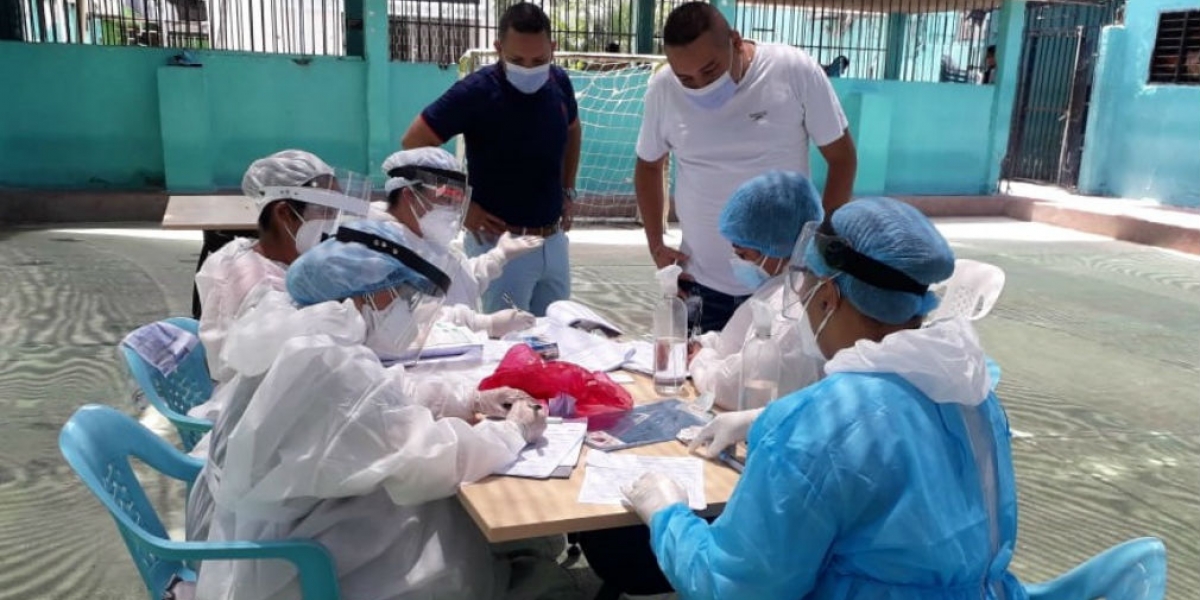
(224, 213)
(512, 508)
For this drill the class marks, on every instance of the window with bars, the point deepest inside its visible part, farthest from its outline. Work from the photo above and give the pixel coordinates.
(1176, 56)
(441, 41)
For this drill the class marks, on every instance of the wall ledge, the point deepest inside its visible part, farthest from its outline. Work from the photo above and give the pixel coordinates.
(1171, 227)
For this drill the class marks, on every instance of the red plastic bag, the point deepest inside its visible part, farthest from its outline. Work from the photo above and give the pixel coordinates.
(595, 394)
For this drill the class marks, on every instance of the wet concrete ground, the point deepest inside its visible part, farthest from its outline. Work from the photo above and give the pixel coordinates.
(1099, 342)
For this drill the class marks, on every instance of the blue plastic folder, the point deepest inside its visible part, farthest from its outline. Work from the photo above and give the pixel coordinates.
(647, 424)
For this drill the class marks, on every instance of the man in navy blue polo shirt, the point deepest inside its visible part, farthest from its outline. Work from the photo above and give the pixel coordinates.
(521, 126)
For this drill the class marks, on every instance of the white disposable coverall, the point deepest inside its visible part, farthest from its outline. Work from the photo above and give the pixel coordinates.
(717, 367)
(269, 319)
(468, 276)
(332, 446)
(224, 282)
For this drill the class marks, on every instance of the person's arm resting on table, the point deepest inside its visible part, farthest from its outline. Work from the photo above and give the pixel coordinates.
(772, 538)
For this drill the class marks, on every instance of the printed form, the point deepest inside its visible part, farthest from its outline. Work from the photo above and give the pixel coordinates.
(607, 473)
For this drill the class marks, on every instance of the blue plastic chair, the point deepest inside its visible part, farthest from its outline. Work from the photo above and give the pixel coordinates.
(1134, 570)
(173, 396)
(98, 442)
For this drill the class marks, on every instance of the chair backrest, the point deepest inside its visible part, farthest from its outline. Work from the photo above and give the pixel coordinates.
(1134, 570)
(971, 291)
(97, 442)
(173, 395)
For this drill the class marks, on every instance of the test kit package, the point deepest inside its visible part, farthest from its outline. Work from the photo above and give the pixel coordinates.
(547, 349)
(647, 424)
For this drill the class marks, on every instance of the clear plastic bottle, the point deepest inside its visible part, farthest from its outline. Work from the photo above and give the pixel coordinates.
(670, 335)
(761, 362)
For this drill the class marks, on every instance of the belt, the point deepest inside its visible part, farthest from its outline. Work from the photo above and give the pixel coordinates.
(543, 231)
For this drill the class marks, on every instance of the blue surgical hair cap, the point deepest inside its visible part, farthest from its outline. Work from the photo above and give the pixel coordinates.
(335, 270)
(898, 236)
(767, 213)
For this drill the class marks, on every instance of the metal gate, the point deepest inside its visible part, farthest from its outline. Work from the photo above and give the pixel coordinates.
(1058, 57)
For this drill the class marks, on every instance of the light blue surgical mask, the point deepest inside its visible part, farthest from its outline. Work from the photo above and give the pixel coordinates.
(527, 80)
(749, 274)
(716, 94)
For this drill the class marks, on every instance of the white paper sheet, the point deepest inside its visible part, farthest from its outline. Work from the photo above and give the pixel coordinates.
(607, 473)
(640, 357)
(569, 313)
(621, 377)
(557, 445)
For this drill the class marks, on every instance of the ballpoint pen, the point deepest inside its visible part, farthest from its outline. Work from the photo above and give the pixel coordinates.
(509, 299)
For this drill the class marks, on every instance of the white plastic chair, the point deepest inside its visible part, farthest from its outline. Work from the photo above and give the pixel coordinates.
(971, 291)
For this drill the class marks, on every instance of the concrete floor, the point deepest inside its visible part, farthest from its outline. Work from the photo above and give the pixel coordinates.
(1098, 341)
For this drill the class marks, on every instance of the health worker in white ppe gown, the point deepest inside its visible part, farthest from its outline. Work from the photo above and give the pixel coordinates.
(329, 444)
(427, 195)
(298, 199)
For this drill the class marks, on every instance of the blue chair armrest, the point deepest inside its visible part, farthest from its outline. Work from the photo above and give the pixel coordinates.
(168, 460)
(314, 565)
(190, 423)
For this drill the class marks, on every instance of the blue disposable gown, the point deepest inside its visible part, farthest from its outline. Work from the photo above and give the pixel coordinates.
(891, 478)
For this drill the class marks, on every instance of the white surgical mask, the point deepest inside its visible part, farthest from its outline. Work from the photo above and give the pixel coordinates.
(527, 80)
(389, 331)
(439, 226)
(310, 232)
(749, 274)
(716, 94)
(809, 343)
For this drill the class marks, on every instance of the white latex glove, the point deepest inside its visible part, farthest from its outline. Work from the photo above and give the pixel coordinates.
(531, 422)
(725, 431)
(651, 493)
(497, 402)
(513, 246)
(503, 322)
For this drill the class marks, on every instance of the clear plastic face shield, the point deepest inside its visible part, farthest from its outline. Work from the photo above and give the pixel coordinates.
(841, 257)
(439, 200)
(400, 318)
(799, 285)
(330, 199)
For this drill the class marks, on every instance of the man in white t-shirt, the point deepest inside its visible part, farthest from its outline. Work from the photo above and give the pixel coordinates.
(729, 109)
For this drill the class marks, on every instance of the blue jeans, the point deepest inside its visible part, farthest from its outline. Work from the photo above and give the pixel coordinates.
(533, 280)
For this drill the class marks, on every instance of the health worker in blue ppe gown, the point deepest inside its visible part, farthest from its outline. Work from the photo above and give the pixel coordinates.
(762, 220)
(892, 477)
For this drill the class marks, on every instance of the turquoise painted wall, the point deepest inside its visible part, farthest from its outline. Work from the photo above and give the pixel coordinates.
(80, 116)
(124, 120)
(936, 137)
(259, 104)
(1142, 141)
(411, 88)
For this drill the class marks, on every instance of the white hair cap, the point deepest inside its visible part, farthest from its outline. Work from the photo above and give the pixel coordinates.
(429, 157)
(289, 168)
